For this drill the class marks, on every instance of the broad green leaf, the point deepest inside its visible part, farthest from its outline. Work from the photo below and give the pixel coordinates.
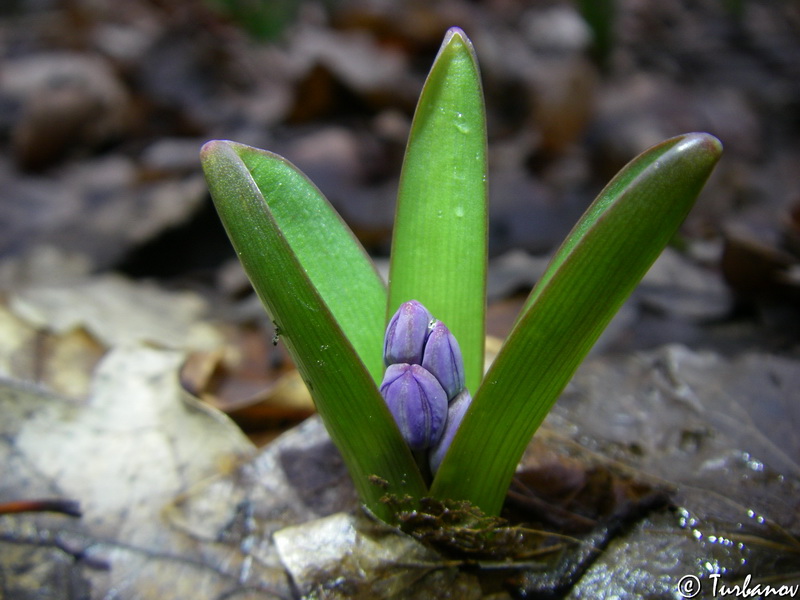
(334, 260)
(269, 211)
(602, 260)
(440, 235)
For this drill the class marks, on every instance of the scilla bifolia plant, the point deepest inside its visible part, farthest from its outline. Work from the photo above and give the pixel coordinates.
(332, 308)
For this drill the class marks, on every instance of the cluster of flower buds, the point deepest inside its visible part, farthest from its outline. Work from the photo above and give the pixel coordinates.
(424, 381)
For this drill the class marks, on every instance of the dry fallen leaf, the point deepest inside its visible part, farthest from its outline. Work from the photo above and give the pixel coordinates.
(345, 556)
(722, 434)
(57, 320)
(176, 504)
(693, 424)
(124, 454)
(118, 311)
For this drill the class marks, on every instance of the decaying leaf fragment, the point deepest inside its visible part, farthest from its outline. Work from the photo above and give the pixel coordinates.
(123, 455)
(176, 506)
(353, 556)
(57, 320)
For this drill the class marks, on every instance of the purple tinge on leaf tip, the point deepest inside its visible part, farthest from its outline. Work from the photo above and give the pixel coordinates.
(417, 402)
(406, 334)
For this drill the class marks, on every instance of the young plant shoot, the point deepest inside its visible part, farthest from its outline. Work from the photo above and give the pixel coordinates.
(396, 398)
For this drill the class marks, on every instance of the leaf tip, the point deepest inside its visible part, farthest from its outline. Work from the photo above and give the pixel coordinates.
(703, 143)
(209, 148)
(453, 32)
(712, 144)
(213, 151)
(456, 38)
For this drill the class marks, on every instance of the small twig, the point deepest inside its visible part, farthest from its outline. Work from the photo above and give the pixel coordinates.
(58, 505)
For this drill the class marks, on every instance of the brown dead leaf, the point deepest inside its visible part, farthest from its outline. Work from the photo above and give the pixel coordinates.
(252, 380)
(344, 556)
(167, 501)
(117, 311)
(64, 362)
(125, 453)
(57, 321)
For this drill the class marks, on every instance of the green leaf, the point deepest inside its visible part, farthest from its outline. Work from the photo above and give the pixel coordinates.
(440, 235)
(333, 259)
(314, 281)
(599, 264)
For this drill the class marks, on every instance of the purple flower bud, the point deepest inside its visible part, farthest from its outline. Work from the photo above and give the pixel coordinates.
(442, 357)
(455, 414)
(406, 334)
(417, 402)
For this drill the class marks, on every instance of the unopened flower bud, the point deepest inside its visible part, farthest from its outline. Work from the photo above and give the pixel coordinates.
(442, 357)
(406, 334)
(455, 414)
(417, 402)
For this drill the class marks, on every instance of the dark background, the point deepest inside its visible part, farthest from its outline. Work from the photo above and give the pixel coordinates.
(104, 105)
